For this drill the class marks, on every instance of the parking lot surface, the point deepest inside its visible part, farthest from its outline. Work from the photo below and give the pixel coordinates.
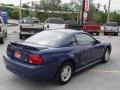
(99, 77)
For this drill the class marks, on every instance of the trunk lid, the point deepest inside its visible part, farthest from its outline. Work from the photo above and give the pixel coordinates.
(14, 49)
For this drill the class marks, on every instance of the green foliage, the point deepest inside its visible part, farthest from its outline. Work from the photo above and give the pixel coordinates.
(15, 13)
(55, 5)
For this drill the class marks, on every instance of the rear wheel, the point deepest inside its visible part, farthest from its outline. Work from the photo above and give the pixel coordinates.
(116, 34)
(105, 33)
(64, 73)
(21, 36)
(97, 33)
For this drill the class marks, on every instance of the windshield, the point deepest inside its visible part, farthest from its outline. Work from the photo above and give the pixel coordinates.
(47, 38)
(111, 24)
(30, 21)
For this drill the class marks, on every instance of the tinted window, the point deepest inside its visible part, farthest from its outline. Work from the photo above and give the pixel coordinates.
(47, 38)
(71, 22)
(84, 39)
(111, 24)
(72, 41)
(55, 20)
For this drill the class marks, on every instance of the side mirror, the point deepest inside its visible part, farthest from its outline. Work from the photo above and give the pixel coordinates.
(73, 43)
(97, 41)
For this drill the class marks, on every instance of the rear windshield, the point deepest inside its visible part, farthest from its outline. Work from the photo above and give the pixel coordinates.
(30, 21)
(55, 20)
(90, 23)
(111, 24)
(71, 22)
(47, 38)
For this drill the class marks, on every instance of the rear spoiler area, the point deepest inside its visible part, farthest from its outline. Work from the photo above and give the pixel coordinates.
(22, 45)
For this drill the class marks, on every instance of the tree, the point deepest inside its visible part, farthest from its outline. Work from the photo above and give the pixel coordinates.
(25, 6)
(15, 13)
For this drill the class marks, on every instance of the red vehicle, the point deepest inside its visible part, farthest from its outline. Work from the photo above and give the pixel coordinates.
(91, 27)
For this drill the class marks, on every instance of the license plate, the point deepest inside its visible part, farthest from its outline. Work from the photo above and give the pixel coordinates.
(18, 54)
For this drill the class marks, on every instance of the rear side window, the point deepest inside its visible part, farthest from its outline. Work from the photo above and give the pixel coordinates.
(84, 39)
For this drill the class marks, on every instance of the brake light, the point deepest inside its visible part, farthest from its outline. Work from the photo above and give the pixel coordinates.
(35, 59)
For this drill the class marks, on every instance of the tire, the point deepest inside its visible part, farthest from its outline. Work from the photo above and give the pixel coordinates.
(61, 77)
(97, 33)
(6, 34)
(105, 33)
(21, 36)
(116, 34)
(2, 40)
(106, 56)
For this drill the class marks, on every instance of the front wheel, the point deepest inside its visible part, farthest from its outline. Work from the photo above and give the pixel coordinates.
(64, 73)
(106, 56)
(2, 40)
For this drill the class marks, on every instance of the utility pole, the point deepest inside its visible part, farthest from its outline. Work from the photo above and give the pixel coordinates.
(83, 5)
(108, 16)
(20, 12)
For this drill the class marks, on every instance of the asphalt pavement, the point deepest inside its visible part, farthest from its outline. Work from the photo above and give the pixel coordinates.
(99, 77)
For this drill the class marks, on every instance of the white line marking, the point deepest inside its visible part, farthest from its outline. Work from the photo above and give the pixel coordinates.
(105, 71)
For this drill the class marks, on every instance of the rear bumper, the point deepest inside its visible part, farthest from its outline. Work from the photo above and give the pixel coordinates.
(108, 31)
(91, 31)
(31, 72)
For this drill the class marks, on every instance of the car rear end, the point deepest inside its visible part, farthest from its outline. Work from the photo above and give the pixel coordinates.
(92, 29)
(111, 28)
(30, 27)
(54, 23)
(26, 62)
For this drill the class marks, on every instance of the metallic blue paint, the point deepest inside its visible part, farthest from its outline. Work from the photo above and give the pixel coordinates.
(53, 57)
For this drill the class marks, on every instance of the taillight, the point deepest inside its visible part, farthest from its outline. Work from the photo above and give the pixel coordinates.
(35, 59)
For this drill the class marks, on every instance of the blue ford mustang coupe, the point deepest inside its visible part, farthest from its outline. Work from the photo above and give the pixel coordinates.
(55, 55)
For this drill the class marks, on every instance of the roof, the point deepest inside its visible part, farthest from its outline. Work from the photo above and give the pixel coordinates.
(68, 31)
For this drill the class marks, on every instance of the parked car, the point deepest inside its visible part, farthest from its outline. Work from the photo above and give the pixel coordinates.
(29, 27)
(55, 55)
(72, 24)
(54, 23)
(3, 31)
(111, 28)
(91, 27)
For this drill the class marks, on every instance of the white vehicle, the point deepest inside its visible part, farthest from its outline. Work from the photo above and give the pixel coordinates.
(54, 23)
(111, 28)
(30, 26)
(3, 31)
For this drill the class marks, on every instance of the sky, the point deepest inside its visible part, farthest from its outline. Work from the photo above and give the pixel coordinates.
(115, 4)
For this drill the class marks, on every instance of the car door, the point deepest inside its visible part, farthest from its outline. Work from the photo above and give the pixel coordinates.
(89, 49)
